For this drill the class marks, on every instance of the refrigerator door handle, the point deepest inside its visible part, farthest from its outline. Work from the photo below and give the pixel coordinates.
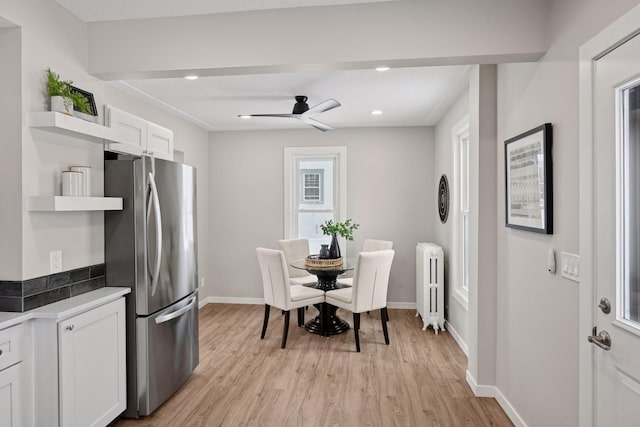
(177, 313)
(158, 218)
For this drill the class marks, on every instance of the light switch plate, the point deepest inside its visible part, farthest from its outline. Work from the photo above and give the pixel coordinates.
(570, 266)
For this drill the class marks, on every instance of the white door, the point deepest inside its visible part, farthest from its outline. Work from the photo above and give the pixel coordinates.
(616, 131)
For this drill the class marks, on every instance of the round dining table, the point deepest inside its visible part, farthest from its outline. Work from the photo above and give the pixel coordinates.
(327, 281)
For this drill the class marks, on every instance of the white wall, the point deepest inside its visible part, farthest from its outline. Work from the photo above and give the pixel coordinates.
(53, 37)
(390, 192)
(409, 32)
(11, 158)
(457, 314)
(537, 348)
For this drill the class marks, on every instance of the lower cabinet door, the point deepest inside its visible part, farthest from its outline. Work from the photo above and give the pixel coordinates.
(11, 397)
(92, 369)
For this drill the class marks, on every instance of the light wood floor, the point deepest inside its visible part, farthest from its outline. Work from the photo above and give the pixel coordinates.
(418, 380)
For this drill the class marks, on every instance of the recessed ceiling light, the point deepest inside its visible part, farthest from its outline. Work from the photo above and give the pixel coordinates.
(376, 112)
(244, 116)
(382, 69)
(191, 77)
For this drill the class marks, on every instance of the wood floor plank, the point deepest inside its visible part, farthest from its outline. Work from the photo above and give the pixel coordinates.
(417, 380)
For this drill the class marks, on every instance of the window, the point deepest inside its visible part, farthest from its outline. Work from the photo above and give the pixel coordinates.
(464, 208)
(460, 209)
(315, 191)
(312, 181)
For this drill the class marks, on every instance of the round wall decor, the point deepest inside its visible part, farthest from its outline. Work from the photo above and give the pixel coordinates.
(443, 198)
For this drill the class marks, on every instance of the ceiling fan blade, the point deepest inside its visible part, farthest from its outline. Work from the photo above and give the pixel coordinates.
(269, 115)
(316, 124)
(322, 107)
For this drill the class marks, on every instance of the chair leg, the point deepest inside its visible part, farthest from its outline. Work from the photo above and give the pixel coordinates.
(300, 316)
(286, 328)
(267, 307)
(322, 308)
(356, 329)
(386, 314)
(384, 317)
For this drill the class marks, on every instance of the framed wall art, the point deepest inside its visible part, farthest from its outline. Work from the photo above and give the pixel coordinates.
(529, 181)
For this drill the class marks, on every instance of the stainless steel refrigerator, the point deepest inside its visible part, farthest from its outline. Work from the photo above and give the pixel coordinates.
(150, 246)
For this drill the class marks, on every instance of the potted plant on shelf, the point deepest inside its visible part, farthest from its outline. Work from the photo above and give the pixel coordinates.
(345, 229)
(59, 92)
(81, 106)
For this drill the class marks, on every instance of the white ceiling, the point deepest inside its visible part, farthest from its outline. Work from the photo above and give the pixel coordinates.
(407, 97)
(412, 96)
(112, 10)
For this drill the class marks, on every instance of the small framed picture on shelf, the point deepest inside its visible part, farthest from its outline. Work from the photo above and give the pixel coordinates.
(529, 181)
(89, 104)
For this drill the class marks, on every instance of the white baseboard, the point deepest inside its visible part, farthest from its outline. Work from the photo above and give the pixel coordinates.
(260, 301)
(230, 300)
(480, 390)
(493, 391)
(403, 305)
(458, 339)
(509, 409)
(203, 302)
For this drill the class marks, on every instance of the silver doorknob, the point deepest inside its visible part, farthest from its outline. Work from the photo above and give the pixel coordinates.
(602, 340)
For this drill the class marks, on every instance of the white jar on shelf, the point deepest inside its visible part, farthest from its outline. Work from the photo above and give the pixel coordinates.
(86, 178)
(71, 183)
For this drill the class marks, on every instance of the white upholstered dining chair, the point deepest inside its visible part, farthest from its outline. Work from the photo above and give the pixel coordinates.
(279, 293)
(369, 290)
(295, 250)
(369, 245)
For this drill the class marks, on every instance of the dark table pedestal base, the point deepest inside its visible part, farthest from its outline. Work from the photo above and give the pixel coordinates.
(333, 324)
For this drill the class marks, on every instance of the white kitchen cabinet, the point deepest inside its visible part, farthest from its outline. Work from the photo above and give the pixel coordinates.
(80, 360)
(92, 367)
(15, 401)
(11, 396)
(159, 142)
(139, 136)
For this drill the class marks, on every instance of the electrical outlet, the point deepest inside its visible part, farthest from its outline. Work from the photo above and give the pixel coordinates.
(55, 262)
(202, 283)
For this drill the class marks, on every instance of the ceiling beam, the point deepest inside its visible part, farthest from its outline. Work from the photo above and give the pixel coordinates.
(403, 33)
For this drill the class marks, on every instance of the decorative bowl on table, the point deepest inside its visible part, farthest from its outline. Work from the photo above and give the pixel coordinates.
(316, 262)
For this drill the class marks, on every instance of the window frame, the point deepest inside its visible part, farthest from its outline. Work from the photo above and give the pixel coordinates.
(460, 135)
(292, 157)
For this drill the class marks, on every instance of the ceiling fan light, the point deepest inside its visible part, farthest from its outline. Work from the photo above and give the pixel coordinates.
(376, 112)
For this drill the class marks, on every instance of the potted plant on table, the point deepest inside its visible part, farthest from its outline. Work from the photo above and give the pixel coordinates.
(345, 229)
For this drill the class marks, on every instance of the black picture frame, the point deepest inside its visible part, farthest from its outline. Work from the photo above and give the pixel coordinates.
(528, 168)
(89, 96)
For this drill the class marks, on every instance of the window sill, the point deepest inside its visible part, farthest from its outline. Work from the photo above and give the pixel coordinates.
(462, 296)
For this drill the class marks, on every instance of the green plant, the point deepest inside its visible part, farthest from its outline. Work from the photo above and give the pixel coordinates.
(57, 87)
(80, 102)
(345, 229)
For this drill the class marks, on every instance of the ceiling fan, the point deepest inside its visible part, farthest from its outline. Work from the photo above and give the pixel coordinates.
(301, 111)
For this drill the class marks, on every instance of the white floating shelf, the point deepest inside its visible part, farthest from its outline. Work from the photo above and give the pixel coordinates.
(71, 203)
(72, 126)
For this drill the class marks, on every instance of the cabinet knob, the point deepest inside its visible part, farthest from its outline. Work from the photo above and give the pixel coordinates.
(69, 328)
